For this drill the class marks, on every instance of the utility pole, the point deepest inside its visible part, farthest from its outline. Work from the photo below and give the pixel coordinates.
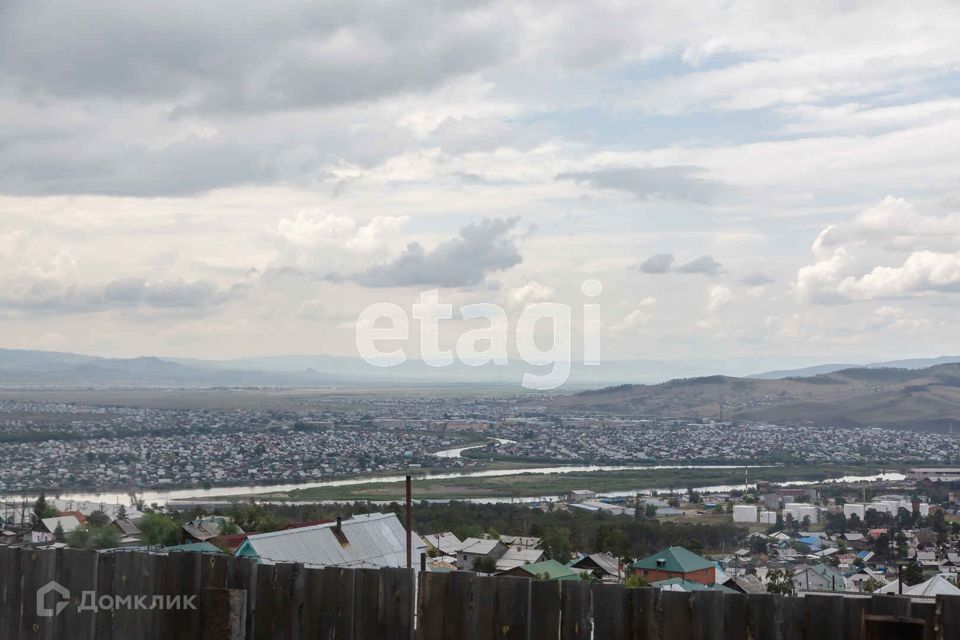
(409, 524)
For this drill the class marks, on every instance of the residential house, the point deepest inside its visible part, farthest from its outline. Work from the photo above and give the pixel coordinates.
(519, 557)
(67, 524)
(475, 549)
(369, 540)
(603, 566)
(675, 562)
(545, 570)
(818, 577)
(446, 543)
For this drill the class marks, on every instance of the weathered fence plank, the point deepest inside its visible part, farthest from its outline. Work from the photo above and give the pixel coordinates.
(545, 610)
(793, 614)
(853, 612)
(484, 598)
(279, 601)
(948, 617)
(643, 613)
(512, 608)
(336, 604)
(366, 604)
(677, 622)
(890, 605)
(458, 614)
(37, 569)
(77, 571)
(396, 604)
(9, 593)
(132, 578)
(823, 617)
(576, 616)
(764, 615)
(735, 618)
(926, 611)
(180, 576)
(106, 569)
(708, 618)
(223, 614)
(610, 611)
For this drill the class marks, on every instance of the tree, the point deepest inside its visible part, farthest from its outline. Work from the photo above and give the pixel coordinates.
(485, 564)
(635, 580)
(158, 529)
(911, 574)
(58, 533)
(88, 537)
(781, 582)
(871, 584)
(98, 519)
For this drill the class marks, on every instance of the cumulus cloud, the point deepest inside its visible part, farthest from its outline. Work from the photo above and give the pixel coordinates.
(917, 254)
(53, 296)
(718, 296)
(651, 183)
(666, 263)
(319, 242)
(704, 264)
(894, 318)
(660, 263)
(465, 261)
(529, 293)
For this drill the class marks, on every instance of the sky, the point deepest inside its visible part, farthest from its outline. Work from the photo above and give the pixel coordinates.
(769, 180)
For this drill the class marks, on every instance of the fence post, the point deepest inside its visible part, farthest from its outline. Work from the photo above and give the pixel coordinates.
(223, 614)
(948, 617)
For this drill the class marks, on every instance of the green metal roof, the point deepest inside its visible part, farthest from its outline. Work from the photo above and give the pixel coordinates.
(675, 560)
(689, 585)
(552, 569)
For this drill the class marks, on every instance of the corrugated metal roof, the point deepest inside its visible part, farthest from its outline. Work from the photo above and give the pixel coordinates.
(371, 540)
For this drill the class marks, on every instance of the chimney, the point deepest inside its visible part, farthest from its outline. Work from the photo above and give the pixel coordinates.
(338, 533)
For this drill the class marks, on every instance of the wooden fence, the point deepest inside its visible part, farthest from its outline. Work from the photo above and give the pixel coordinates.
(115, 595)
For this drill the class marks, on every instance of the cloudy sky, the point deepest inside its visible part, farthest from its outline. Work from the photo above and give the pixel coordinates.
(775, 180)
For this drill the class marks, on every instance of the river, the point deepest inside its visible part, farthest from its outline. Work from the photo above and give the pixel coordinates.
(196, 494)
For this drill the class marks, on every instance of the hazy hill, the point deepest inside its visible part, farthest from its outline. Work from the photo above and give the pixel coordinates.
(912, 363)
(913, 398)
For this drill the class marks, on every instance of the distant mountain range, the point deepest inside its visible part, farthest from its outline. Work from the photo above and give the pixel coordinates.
(50, 368)
(925, 398)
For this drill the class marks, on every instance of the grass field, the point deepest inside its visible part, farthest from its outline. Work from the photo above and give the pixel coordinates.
(539, 484)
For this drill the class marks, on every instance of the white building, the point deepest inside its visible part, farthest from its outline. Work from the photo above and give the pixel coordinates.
(744, 513)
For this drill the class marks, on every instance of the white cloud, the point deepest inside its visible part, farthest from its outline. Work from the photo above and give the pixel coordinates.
(529, 293)
(718, 297)
(921, 255)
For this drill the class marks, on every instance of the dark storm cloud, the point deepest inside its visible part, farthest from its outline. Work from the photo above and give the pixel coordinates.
(465, 261)
(679, 182)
